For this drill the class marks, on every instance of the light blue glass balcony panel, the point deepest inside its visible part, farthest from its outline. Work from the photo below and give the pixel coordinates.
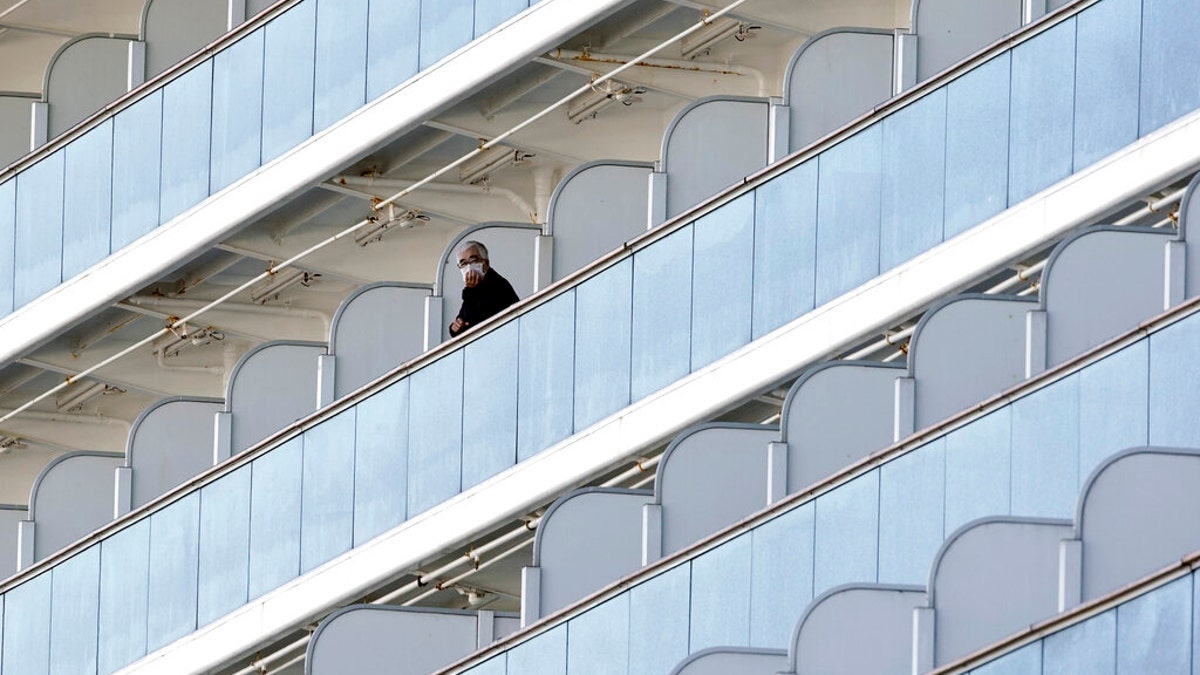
(1083, 648)
(978, 469)
(1045, 451)
(186, 140)
(781, 575)
(914, 180)
(603, 329)
(911, 510)
(1113, 406)
(237, 118)
(977, 145)
(289, 55)
(174, 554)
(662, 313)
(658, 629)
(446, 25)
(124, 589)
(1025, 661)
(39, 229)
(137, 169)
(847, 534)
(1174, 379)
(27, 627)
(393, 44)
(492, 13)
(722, 281)
(435, 433)
(224, 546)
(73, 627)
(848, 214)
(490, 405)
(545, 655)
(1170, 58)
(341, 64)
(381, 462)
(785, 245)
(494, 666)
(1107, 46)
(327, 520)
(275, 517)
(1043, 103)
(720, 611)
(8, 246)
(546, 376)
(598, 640)
(88, 189)
(1154, 631)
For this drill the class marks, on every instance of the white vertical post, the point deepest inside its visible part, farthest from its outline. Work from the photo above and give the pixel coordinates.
(779, 131)
(1175, 272)
(122, 491)
(326, 372)
(905, 421)
(1035, 342)
(531, 595)
(1070, 574)
(651, 533)
(39, 122)
(905, 60)
(25, 534)
(136, 73)
(222, 437)
(777, 469)
(922, 652)
(543, 262)
(433, 321)
(236, 15)
(656, 213)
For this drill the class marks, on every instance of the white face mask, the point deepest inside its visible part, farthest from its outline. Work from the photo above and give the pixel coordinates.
(477, 267)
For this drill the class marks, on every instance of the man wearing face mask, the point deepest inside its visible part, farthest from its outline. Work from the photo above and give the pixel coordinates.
(485, 294)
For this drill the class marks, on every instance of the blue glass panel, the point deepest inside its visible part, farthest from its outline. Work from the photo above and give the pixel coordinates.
(911, 511)
(1113, 400)
(289, 52)
(662, 312)
(237, 110)
(914, 180)
(978, 464)
(658, 622)
(1083, 648)
(492, 13)
(137, 157)
(720, 612)
(74, 626)
(546, 378)
(275, 517)
(1154, 631)
(174, 544)
(545, 654)
(722, 281)
(781, 576)
(1170, 58)
(977, 145)
(1043, 105)
(1106, 79)
(1174, 378)
(393, 43)
(1025, 661)
(341, 66)
(8, 234)
(124, 589)
(435, 433)
(785, 246)
(187, 116)
(603, 324)
(497, 665)
(490, 405)
(39, 228)
(327, 521)
(598, 640)
(88, 190)
(381, 462)
(224, 545)
(446, 25)
(27, 627)
(848, 214)
(1045, 451)
(847, 534)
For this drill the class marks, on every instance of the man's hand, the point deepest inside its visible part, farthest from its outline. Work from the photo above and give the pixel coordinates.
(458, 325)
(471, 278)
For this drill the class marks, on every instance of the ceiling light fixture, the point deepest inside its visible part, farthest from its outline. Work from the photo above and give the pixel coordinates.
(82, 393)
(281, 281)
(586, 105)
(481, 167)
(704, 39)
(394, 220)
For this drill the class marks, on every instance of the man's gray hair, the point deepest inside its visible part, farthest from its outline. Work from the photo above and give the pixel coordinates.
(472, 244)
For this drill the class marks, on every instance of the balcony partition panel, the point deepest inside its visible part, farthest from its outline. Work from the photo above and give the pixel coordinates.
(630, 326)
(341, 60)
(88, 189)
(39, 220)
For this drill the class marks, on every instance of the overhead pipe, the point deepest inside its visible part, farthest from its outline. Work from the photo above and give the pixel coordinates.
(456, 188)
(238, 307)
(665, 64)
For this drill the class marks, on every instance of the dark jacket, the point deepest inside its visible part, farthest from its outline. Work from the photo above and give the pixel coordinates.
(486, 299)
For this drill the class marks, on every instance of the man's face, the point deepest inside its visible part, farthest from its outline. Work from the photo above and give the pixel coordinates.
(472, 266)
